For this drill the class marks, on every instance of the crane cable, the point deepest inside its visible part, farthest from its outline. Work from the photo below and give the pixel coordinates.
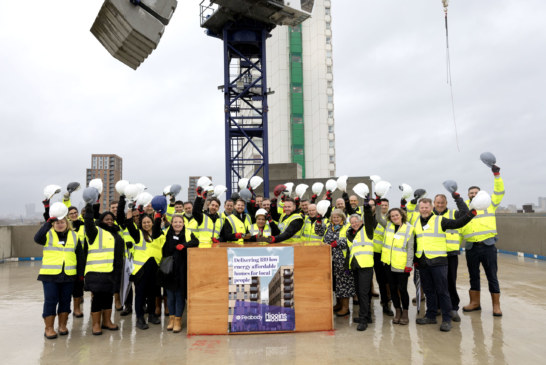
(448, 74)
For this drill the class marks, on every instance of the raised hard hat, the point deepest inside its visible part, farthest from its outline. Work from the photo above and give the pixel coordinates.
(203, 182)
(406, 191)
(301, 189)
(58, 210)
(159, 203)
(175, 189)
(121, 186)
(322, 207)
(317, 188)
(51, 190)
(219, 190)
(331, 185)
(242, 183)
(488, 158)
(261, 211)
(209, 189)
(419, 193)
(450, 185)
(144, 199)
(382, 188)
(72, 187)
(131, 191)
(342, 183)
(361, 190)
(97, 184)
(246, 195)
(90, 195)
(234, 196)
(279, 189)
(481, 201)
(141, 187)
(289, 187)
(167, 190)
(255, 182)
(375, 178)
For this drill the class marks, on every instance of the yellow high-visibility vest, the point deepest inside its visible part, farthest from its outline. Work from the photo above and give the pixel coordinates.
(395, 245)
(284, 223)
(431, 239)
(361, 249)
(237, 226)
(144, 250)
(208, 230)
(100, 255)
(56, 254)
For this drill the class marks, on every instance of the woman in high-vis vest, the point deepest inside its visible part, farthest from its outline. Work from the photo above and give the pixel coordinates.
(77, 292)
(263, 228)
(58, 271)
(397, 258)
(103, 267)
(146, 259)
(176, 239)
(335, 235)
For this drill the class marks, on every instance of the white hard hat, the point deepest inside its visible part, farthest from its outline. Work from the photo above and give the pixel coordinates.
(175, 189)
(51, 190)
(382, 188)
(219, 190)
(203, 182)
(121, 185)
(481, 201)
(97, 184)
(407, 191)
(167, 190)
(210, 189)
(301, 189)
(375, 178)
(242, 183)
(261, 211)
(289, 187)
(361, 190)
(317, 188)
(488, 158)
(342, 183)
(331, 185)
(131, 191)
(255, 182)
(322, 207)
(58, 210)
(144, 198)
(141, 187)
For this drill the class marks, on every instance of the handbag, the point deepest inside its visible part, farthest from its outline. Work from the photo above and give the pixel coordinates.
(166, 265)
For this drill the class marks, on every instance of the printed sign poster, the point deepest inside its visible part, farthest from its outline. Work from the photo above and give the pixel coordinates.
(261, 289)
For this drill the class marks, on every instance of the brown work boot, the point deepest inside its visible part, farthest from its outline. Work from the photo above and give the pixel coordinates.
(107, 321)
(495, 298)
(63, 320)
(171, 323)
(117, 302)
(77, 308)
(474, 304)
(95, 319)
(344, 308)
(404, 319)
(177, 324)
(338, 304)
(158, 306)
(49, 331)
(397, 316)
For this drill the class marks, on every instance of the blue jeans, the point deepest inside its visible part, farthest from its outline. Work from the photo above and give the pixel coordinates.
(434, 282)
(487, 256)
(175, 302)
(57, 297)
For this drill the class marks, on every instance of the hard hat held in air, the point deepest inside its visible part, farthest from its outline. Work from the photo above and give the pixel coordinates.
(242, 183)
(167, 190)
(289, 187)
(481, 201)
(361, 190)
(175, 189)
(382, 188)
(331, 185)
(51, 190)
(279, 189)
(131, 191)
(219, 190)
(121, 185)
(488, 158)
(209, 189)
(407, 191)
(261, 211)
(159, 203)
(58, 210)
(322, 207)
(342, 183)
(375, 178)
(97, 184)
(317, 188)
(72, 187)
(450, 185)
(141, 187)
(203, 182)
(90, 195)
(144, 198)
(246, 195)
(301, 189)
(255, 182)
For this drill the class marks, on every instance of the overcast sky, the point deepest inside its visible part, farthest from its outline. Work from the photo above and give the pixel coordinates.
(63, 97)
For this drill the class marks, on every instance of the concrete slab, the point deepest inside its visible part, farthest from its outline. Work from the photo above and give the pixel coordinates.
(479, 338)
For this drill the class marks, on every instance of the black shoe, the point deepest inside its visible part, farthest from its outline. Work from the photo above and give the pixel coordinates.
(369, 320)
(387, 310)
(153, 318)
(445, 327)
(128, 310)
(110, 328)
(141, 323)
(426, 320)
(362, 327)
(339, 314)
(455, 316)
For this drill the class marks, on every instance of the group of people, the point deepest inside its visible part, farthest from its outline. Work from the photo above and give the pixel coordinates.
(90, 251)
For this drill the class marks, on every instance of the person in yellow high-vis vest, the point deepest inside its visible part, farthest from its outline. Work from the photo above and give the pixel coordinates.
(58, 271)
(397, 259)
(105, 249)
(263, 228)
(334, 234)
(77, 293)
(308, 233)
(480, 236)
(290, 223)
(208, 224)
(431, 253)
(236, 224)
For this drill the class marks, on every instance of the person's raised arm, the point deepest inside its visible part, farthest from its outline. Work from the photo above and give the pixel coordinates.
(91, 230)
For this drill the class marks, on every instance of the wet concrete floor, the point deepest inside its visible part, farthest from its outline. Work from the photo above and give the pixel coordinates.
(516, 338)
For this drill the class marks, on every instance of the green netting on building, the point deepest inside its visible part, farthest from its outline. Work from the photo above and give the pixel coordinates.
(296, 98)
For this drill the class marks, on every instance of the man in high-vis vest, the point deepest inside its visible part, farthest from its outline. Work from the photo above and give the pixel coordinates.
(360, 259)
(290, 223)
(308, 233)
(209, 223)
(480, 236)
(176, 207)
(236, 224)
(453, 240)
(431, 254)
(378, 234)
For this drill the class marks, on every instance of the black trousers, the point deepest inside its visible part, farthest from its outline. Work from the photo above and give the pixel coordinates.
(381, 277)
(452, 265)
(487, 256)
(434, 282)
(101, 301)
(145, 291)
(363, 282)
(398, 282)
(77, 291)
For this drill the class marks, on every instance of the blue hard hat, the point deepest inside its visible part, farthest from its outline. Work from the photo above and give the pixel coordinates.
(159, 203)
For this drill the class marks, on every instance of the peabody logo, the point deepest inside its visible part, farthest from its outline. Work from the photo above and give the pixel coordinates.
(246, 318)
(276, 317)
